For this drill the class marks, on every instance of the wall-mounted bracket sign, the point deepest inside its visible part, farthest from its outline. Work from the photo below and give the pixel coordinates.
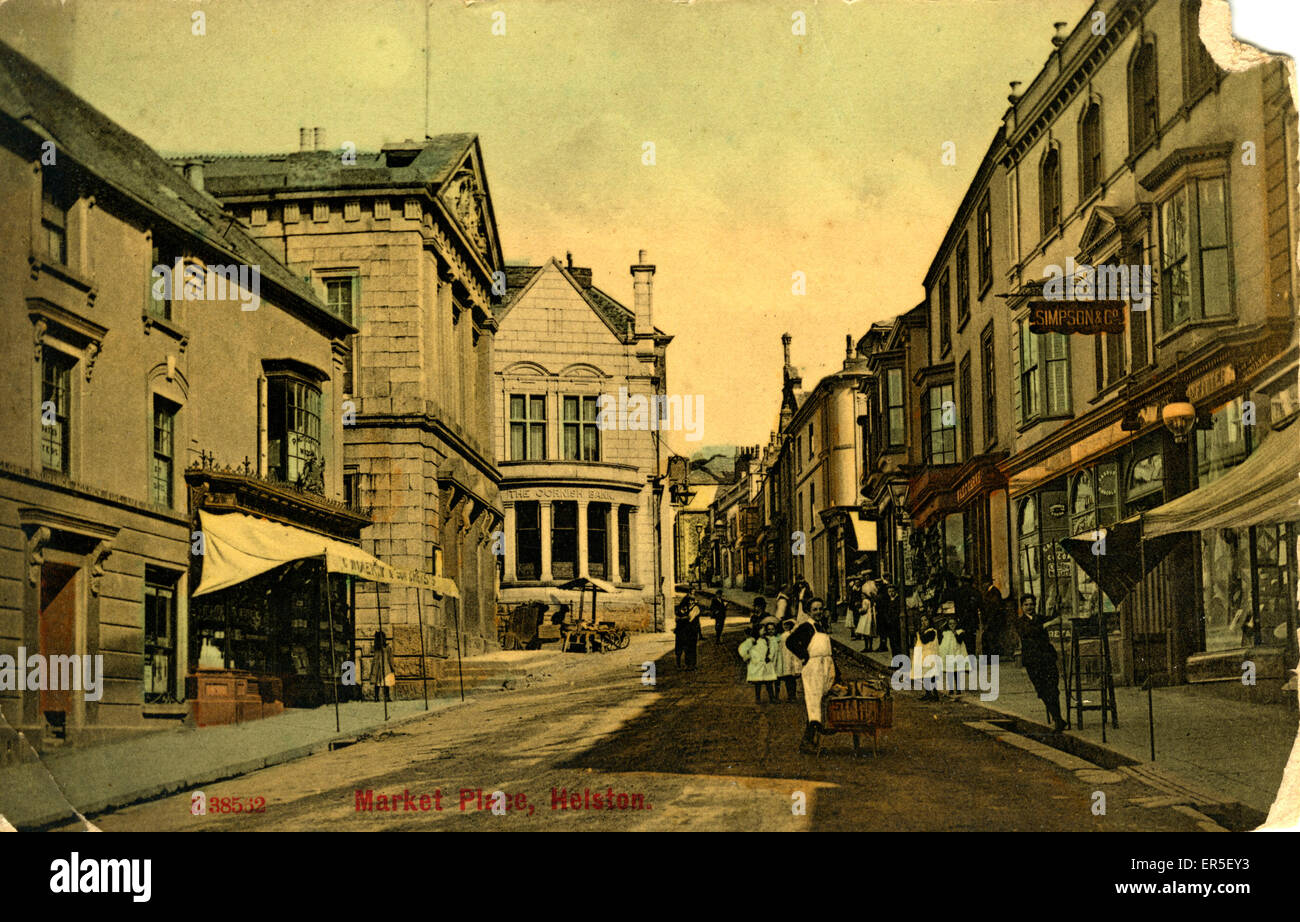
(1089, 317)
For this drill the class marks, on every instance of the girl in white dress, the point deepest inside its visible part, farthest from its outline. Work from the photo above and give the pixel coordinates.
(926, 670)
(952, 649)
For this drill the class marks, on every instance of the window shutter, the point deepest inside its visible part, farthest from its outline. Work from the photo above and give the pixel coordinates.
(1015, 373)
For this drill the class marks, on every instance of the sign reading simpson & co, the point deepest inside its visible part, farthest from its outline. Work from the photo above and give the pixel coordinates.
(1076, 316)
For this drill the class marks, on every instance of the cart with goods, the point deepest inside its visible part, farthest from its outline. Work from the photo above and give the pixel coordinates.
(861, 706)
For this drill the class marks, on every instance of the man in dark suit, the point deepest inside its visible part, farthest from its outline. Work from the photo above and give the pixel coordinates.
(1039, 657)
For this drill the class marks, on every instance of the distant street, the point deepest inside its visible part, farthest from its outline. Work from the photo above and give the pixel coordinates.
(695, 747)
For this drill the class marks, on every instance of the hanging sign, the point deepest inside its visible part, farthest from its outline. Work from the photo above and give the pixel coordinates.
(1088, 317)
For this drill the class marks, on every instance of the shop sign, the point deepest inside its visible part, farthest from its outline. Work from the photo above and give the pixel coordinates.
(1210, 382)
(1077, 316)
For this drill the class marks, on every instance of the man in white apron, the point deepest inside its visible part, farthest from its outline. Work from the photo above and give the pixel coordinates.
(818, 672)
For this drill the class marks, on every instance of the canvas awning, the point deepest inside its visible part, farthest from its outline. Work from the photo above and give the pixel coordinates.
(1113, 555)
(1263, 489)
(237, 547)
(864, 533)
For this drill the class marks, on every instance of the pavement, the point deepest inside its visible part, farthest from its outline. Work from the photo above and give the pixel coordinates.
(1225, 751)
(60, 783)
(628, 741)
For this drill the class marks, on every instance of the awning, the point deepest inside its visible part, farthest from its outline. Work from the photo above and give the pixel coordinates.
(237, 547)
(1113, 555)
(863, 532)
(1263, 489)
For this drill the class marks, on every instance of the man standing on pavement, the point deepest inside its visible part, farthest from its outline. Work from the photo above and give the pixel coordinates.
(993, 614)
(718, 609)
(967, 600)
(1039, 658)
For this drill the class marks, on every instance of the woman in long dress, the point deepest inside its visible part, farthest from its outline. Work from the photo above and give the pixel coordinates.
(926, 664)
(866, 628)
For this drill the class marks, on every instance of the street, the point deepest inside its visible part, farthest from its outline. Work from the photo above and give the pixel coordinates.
(693, 752)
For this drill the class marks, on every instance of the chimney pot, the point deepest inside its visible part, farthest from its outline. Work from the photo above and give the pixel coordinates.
(304, 139)
(193, 172)
(320, 139)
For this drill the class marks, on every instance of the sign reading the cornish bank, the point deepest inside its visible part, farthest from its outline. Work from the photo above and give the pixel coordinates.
(1076, 316)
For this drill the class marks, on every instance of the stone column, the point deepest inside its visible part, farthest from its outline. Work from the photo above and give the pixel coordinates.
(544, 526)
(633, 543)
(611, 525)
(508, 538)
(582, 537)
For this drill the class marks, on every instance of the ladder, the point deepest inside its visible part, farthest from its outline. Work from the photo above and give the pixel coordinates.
(1092, 672)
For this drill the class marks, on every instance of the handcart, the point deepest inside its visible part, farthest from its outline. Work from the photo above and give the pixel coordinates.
(859, 707)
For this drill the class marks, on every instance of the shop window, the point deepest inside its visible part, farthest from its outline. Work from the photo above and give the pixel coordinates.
(598, 540)
(527, 427)
(564, 539)
(894, 407)
(1143, 101)
(56, 410)
(1194, 271)
(159, 636)
(528, 540)
(293, 432)
(581, 434)
(1223, 447)
(940, 431)
(625, 544)
(1139, 322)
(163, 457)
(963, 280)
(1145, 482)
(1274, 588)
(1226, 583)
(1031, 573)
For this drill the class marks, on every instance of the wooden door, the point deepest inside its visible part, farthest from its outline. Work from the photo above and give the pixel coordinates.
(58, 628)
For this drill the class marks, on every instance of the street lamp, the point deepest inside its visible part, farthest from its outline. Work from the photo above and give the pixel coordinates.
(898, 497)
(1179, 416)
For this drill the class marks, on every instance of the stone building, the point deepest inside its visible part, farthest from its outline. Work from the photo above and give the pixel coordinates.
(130, 406)
(582, 473)
(822, 456)
(1132, 171)
(403, 243)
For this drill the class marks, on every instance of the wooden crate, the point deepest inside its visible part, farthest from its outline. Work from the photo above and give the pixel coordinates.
(860, 712)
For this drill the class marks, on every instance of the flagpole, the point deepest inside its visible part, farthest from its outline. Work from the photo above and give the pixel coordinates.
(379, 613)
(1146, 643)
(334, 669)
(424, 669)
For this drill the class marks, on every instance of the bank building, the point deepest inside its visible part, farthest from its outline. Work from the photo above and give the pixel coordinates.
(581, 498)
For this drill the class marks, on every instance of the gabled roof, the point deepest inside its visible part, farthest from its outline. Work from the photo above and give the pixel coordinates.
(99, 147)
(618, 317)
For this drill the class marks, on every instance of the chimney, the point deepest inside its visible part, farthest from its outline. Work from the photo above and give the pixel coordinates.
(642, 279)
(320, 139)
(304, 139)
(785, 345)
(193, 172)
(1061, 35)
(848, 347)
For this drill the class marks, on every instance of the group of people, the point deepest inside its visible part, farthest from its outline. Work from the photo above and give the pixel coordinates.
(871, 612)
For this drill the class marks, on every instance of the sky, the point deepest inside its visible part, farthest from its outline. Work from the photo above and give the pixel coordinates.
(774, 152)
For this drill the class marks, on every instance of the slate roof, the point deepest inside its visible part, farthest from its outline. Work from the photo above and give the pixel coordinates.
(105, 150)
(320, 170)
